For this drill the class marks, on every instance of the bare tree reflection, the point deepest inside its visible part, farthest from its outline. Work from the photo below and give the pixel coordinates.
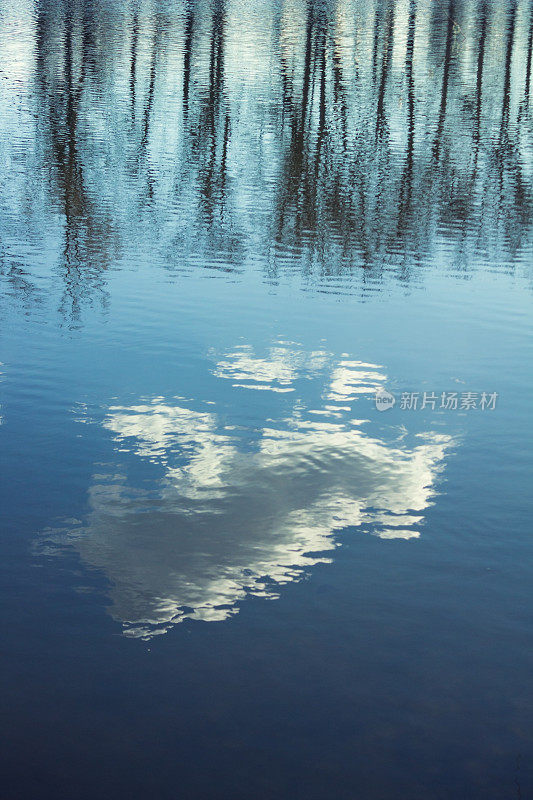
(88, 234)
(450, 14)
(527, 87)
(384, 131)
(337, 189)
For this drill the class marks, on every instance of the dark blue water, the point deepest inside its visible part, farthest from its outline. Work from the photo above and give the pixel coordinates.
(232, 234)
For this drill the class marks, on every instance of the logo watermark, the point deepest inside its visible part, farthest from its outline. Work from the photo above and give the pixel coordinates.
(445, 401)
(384, 400)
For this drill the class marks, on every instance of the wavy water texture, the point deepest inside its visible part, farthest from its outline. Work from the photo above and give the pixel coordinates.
(335, 140)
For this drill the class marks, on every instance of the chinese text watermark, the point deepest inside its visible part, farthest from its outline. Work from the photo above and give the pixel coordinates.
(445, 401)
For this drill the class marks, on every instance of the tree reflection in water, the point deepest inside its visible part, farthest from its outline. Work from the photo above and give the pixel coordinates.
(335, 138)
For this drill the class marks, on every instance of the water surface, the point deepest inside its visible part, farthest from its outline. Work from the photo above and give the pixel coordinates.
(225, 226)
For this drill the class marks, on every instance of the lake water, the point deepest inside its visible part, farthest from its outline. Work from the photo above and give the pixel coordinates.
(266, 388)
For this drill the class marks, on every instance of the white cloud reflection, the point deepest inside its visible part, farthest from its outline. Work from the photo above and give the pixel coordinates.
(276, 372)
(225, 522)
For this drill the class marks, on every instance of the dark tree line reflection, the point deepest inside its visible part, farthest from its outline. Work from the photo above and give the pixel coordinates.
(88, 230)
(329, 137)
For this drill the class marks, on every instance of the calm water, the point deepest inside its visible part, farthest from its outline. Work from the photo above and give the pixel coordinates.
(224, 227)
